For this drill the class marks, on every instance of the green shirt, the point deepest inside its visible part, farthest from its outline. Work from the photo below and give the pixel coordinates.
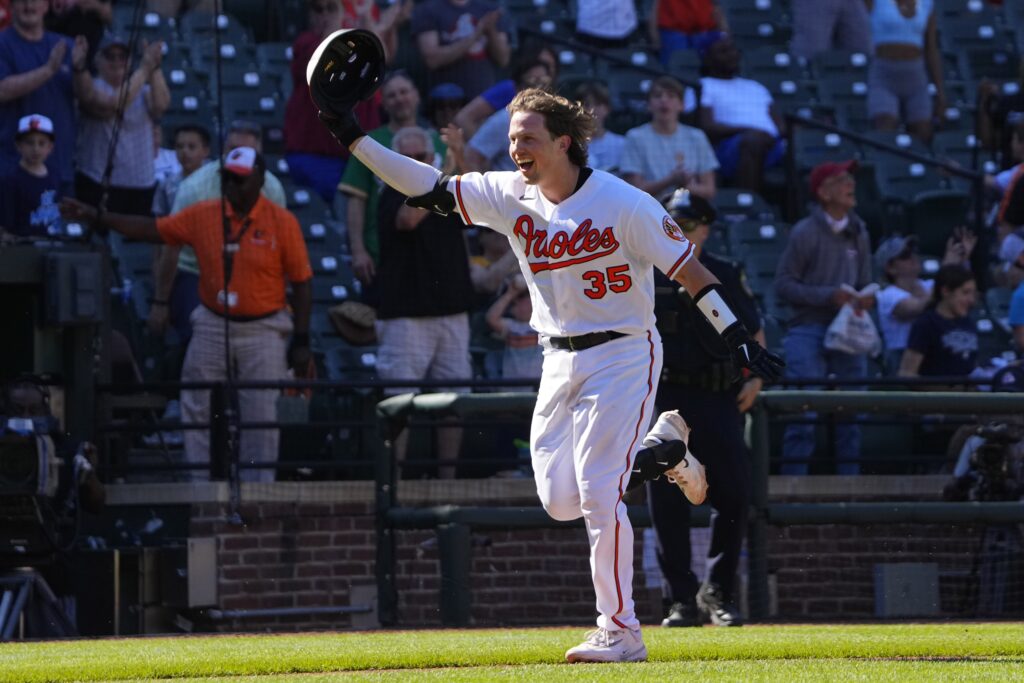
(204, 184)
(359, 181)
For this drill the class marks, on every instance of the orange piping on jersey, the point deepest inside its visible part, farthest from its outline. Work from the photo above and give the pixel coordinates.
(629, 464)
(458, 195)
(682, 259)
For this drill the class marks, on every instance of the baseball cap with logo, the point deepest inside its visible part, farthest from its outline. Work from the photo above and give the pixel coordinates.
(35, 123)
(892, 248)
(828, 169)
(241, 161)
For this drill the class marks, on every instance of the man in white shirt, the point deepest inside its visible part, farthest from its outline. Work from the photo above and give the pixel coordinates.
(738, 115)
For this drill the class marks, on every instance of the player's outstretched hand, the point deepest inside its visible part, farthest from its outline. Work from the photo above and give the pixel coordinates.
(763, 363)
(344, 128)
(752, 355)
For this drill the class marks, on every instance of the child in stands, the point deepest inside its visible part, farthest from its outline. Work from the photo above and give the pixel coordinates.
(30, 193)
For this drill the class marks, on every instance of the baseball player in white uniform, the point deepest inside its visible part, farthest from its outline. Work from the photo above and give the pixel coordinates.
(586, 243)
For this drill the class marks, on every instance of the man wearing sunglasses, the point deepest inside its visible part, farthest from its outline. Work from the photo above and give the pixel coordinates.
(702, 379)
(265, 252)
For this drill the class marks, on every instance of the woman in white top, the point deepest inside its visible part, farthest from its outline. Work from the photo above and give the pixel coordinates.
(132, 179)
(906, 296)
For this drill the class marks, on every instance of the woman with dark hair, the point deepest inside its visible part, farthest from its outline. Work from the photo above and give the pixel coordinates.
(943, 340)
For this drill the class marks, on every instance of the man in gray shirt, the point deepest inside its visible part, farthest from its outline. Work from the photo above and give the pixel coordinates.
(661, 156)
(828, 249)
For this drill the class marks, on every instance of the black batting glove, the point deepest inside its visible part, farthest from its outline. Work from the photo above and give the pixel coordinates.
(752, 355)
(344, 128)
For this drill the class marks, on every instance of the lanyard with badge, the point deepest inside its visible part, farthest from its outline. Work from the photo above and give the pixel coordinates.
(231, 247)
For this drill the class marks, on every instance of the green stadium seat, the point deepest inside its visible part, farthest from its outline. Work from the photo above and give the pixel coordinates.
(812, 147)
(575, 64)
(755, 31)
(274, 55)
(933, 216)
(1000, 64)
(331, 291)
(993, 341)
(832, 63)
(788, 91)
(152, 27)
(245, 77)
(771, 61)
(903, 141)
(964, 33)
(997, 304)
(684, 63)
(735, 204)
(200, 26)
(202, 56)
(344, 362)
(754, 235)
(841, 90)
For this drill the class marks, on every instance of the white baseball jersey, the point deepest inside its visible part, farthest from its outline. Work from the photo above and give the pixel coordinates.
(587, 260)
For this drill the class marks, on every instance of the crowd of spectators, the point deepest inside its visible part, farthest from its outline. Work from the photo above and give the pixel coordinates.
(68, 83)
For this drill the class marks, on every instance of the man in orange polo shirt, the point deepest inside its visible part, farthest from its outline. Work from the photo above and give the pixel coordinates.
(266, 252)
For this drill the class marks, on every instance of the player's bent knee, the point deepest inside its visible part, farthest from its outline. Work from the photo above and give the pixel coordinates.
(562, 511)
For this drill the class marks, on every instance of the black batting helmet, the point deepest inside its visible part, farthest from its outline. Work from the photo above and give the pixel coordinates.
(685, 205)
(347, 67)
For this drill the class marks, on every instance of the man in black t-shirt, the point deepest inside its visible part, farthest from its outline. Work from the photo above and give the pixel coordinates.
(425, 292)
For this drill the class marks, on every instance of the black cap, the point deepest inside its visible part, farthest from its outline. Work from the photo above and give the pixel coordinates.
(684, 204)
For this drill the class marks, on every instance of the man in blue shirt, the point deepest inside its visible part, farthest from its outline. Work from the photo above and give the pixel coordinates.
(40, 73)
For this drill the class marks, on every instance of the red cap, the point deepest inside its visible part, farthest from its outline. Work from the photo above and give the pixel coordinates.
(827, 169)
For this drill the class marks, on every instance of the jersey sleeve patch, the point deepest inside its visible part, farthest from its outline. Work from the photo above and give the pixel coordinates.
(672, 230)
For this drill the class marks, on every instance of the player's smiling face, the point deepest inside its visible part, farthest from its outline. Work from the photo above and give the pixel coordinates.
(533, 148)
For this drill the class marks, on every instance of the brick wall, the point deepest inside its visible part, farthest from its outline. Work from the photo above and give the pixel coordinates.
(827, 571)
(300, 553)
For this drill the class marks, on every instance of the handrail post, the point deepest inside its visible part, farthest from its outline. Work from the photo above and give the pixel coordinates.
(220, 442)
(455, 547)
(792, 193)
(757, 533)
(386, 565)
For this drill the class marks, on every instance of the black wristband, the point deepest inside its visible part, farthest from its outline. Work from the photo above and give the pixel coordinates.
(344, 128)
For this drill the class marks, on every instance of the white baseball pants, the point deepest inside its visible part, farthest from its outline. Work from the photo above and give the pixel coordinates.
(258, 352)
(594, 408)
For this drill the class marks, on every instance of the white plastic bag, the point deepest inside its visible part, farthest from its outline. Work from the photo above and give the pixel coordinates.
(853, 332)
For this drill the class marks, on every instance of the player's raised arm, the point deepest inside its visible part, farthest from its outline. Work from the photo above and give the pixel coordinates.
(707, 293)
(346, 68)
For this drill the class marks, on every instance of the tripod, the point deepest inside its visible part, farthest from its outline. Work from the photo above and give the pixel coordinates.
(26, 594)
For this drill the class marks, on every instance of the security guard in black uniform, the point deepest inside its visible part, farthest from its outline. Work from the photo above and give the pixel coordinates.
(701, 380)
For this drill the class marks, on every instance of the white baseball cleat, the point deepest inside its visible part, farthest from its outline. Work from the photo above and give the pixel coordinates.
(688, 475)
(604, 645)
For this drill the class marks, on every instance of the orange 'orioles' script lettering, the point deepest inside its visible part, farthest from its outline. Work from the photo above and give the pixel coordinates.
(586, 243)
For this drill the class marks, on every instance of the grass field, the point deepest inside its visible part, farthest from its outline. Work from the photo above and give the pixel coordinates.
(925, 652)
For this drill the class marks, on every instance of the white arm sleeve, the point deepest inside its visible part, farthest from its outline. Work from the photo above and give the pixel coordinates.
(408, 176)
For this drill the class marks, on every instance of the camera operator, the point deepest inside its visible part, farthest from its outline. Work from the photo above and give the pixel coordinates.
(25, 405)
(990, 465)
